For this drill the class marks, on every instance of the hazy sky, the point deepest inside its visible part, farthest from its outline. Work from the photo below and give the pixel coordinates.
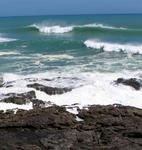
(38, 7)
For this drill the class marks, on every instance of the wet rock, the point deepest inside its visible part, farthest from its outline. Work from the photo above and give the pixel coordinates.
(116, 126)
(38, 103)
(29, 147)
(133, 82)
(103, 128)
(19, 99)
(1, 85)
(55, 117)
(134, 134)
(41, 104)
(49, 90)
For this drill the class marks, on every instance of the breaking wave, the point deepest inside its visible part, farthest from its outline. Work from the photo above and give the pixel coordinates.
(65, 29)
(106, 46)
(52, 29)
(95, 25)
(8, 53)
(2, 40)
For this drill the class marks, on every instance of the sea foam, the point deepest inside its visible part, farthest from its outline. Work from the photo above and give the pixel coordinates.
(52, 57)
(99, 25)
(92, 88)
(9, 53)
(106, 46)
(15, 107)
(2, 39)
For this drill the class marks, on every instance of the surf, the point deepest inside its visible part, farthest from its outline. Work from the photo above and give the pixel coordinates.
(59, 29)
(4, 39)
(53, 29)
(88, 88)
(117, 47)
(8, 53)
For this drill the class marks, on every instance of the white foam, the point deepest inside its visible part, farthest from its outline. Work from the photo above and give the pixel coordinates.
(53, 29)
(8, 77)
(97, 88)
(55, 57)
(9, 53)
(98, 25)
(38, 63)
(129, 48)
(2, 40)
(100, 90)
(7, 106)
(64, 29)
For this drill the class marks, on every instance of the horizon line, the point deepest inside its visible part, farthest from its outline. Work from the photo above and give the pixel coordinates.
(36, 15)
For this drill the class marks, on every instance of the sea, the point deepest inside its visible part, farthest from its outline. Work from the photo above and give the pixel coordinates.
(87, 53)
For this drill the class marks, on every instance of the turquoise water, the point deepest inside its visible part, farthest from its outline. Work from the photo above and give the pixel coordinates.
(45, 43)
(86, 53)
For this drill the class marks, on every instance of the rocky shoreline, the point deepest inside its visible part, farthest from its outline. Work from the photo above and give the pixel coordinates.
(101, 128)
(47, 126)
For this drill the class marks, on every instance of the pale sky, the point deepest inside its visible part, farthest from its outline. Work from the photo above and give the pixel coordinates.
(45, 7)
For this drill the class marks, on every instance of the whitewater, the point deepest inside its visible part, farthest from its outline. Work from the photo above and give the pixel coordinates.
(89, 89)
(58, 29)
(85, 53)
(106, 46)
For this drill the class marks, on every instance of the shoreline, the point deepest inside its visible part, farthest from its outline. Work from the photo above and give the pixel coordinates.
(48, 126)
(100, 128)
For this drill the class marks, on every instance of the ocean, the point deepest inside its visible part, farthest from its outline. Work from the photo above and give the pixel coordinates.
(84, 52)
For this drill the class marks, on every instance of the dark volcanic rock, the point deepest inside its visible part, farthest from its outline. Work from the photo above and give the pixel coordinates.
(29, 147)
(19, 98)
(133, 82)
(49, 90)
(55, 117)
(25, 98)
(116, 126)
(39, 103)
(103, 128)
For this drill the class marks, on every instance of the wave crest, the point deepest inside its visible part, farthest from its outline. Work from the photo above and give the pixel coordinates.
(58, 29)
(129, 48)
(8, 53)
(53, 29)
(2, 39)
(98, 25)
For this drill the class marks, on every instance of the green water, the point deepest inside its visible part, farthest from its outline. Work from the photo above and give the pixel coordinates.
(39, 51)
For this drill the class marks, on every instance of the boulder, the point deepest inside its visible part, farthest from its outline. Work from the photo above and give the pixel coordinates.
(133, 82)
(19, 99)
(49, 90)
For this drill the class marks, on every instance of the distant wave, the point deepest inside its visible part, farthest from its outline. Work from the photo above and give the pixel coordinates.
(2, 40)
(65, 29)
(53, 29)
(95, 25)
(8, 53)
(129, 48)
